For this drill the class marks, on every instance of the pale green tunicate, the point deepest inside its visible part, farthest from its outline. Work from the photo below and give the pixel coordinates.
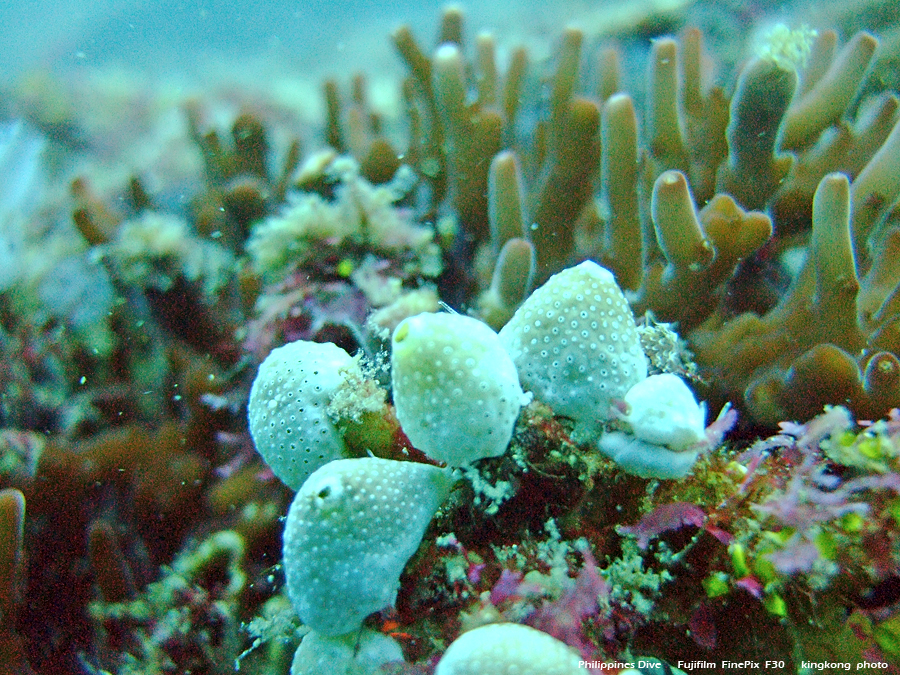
(362, 653)
(350, 530)
(288, 405)
(576, 346)
(456, 391)
(503, 648)
(664, 429)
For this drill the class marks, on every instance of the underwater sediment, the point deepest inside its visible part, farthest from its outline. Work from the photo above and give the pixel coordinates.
(568, 363)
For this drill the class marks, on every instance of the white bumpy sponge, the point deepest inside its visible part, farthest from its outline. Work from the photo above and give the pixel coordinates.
(456, 391)
(507, 649)
(667, 429)
(576, 346)
(350, 530)
(287, 409)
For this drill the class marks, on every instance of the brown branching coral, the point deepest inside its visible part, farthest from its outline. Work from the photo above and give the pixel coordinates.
(242, 184)
(619, 181)
(827, 88)
(700, 249)
(711, 180)
(802, 353)
(755, 167)
(12, 579)
(358, 131)
(461, 136)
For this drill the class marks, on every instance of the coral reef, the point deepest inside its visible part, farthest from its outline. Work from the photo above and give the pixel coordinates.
(718, 232)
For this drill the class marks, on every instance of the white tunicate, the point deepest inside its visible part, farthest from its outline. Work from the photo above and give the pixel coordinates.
(288, 405)
(576, 346)
(505, 648)
(646, 460)
(362, 653)
(665, 429)
(456, 391)
(350, 530)
(662, 410)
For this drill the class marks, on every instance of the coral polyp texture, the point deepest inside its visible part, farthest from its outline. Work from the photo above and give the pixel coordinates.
(541, 266)
(349, 532)
(576, 346)
(456, 390)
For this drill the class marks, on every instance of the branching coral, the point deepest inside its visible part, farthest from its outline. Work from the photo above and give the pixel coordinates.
(761, 147)
(812, 347)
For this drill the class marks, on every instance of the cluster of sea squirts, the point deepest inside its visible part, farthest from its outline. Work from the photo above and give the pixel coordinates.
(457, 389)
